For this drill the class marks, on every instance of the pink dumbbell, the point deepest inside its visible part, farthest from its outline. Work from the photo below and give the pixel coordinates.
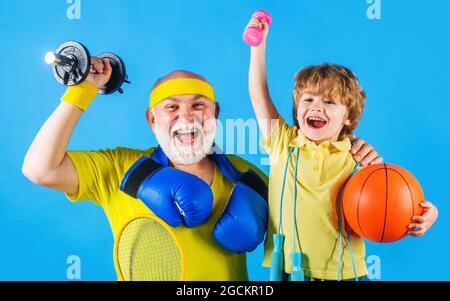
(253, 35)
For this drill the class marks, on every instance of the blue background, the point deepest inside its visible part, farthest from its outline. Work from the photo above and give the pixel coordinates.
(401, 61)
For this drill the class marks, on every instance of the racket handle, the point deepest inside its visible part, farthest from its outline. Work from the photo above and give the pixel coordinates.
(276, 263)
(296, 271)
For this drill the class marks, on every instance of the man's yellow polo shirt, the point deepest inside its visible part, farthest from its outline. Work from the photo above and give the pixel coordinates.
(321, 171)
(100, 173)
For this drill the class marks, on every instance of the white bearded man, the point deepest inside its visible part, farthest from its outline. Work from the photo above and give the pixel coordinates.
(182, 114)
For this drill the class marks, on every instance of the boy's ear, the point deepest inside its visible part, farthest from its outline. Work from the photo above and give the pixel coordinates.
(150, 118)
(347, 122)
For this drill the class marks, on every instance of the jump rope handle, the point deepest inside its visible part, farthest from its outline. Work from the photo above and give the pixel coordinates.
(297, 272)
(253, 35)
(276, 264)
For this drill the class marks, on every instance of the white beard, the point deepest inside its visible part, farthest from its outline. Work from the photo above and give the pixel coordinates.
(179, 153)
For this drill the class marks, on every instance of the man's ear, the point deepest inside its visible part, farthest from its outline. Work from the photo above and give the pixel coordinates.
(216, 113)
(150, 118)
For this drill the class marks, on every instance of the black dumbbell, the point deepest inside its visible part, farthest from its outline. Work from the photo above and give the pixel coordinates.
(71, 63)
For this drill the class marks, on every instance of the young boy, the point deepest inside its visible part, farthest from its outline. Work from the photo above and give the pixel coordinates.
(309, 162)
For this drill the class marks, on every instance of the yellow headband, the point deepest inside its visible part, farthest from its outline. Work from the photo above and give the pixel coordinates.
(181, 86)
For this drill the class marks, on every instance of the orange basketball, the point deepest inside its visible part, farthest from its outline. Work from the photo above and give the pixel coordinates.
(380, 200)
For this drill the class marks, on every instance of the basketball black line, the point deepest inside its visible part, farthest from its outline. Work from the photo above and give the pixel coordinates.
(362, 187)
(359, 199)
(385, 204)
(409, 188)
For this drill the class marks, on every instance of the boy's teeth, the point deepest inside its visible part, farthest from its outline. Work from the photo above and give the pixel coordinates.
(316, 122)
(316, 118)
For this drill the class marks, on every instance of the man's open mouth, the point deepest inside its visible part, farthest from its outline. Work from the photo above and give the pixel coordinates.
(186, 136)
(316, 122)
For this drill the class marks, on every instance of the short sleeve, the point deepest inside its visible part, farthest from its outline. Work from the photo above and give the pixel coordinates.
(98, 174)
(279, 137)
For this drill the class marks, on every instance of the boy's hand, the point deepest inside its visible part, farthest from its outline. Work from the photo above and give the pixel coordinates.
(100, 72)
(262, 24)
(421, 224)
(365, 153)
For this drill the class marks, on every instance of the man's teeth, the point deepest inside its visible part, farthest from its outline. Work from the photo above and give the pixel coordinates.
(186, 135)
(185, 131)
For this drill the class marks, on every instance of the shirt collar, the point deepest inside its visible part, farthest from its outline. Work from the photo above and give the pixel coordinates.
(301, 140)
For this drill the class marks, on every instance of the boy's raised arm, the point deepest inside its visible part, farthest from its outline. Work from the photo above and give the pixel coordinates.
(263, 106)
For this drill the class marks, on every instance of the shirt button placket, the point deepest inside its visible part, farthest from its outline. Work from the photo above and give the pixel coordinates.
(318, 161)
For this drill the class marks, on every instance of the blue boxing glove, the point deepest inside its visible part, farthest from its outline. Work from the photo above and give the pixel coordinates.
(173, 195)
(243, 224)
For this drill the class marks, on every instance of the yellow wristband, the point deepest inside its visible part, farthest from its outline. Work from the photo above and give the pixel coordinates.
(80, 95)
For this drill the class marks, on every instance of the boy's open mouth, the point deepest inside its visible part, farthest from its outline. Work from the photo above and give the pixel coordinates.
(316, 122)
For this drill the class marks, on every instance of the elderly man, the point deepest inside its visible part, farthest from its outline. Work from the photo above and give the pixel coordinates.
(182, 114)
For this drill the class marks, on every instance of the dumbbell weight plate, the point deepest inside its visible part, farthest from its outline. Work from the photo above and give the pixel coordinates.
(118, 75)
(72, 75)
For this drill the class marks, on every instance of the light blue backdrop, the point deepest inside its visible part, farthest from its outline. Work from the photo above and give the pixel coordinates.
(401, 60)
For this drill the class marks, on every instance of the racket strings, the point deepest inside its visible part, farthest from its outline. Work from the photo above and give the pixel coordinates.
(147, 251)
